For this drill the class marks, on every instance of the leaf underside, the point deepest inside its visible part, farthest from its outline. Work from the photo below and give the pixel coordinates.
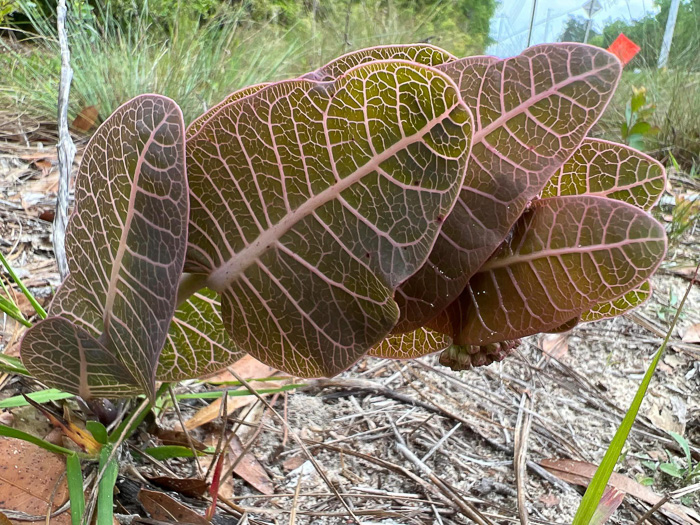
(311, 201)
(69, 358)
(620, 305)
(411, 345)
(125, 243)
(616, 171)
(531, 112)
(197, 342)
(423, 54)
(566, 255)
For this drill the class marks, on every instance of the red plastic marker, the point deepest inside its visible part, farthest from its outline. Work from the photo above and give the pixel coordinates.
(624, 49)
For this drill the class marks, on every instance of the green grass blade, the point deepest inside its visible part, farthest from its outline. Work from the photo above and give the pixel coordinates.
(11, 309)
(12, 365)
(105, 491)
(18, 434)
(74, 477)
(43, 396)
(117, 432)
(174, 451)
(32, 300)
(596, 487)
(236, 393)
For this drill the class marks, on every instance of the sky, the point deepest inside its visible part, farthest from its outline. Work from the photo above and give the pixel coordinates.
(509, 26)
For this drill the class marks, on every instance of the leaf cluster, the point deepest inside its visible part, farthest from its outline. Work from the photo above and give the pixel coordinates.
(396, 201)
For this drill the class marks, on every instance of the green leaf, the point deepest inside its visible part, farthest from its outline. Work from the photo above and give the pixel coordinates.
(197, 342)
(361, 170)
(41, 397)
(615, 171)
(126, 243)
(685, 447)
(531, 113)
(565, 255)
(671, 469)
(640, 128)
(98, 431)
(74, 478)
(646, 481)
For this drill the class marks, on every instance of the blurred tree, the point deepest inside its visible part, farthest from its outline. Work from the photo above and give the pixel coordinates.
(575, 30)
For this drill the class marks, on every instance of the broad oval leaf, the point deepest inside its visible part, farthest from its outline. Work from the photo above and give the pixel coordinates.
(312, 201)
(197, 342)
(531, 112)
(197, 123)
(424, 54)
(568, 325)
(69, 358)
(411, 345)
(616, 171)
(566, 254)
(620, 305)
(125, 242)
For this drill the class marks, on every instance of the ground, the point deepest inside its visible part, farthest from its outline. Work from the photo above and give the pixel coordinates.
(409, 442)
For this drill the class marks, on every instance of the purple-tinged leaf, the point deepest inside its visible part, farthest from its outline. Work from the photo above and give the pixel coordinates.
(616, 171)
(197, 123)
(69, 358)
(411, 345)
(531, 112)
(569, 325)
(620, 305)
(197, 342)
(126, 242)
(565, 255)
(312, 201)
(424, 54)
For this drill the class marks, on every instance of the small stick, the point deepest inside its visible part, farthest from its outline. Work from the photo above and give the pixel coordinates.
(65, 146)
(522, 433)
(447, 491)
(187, 433)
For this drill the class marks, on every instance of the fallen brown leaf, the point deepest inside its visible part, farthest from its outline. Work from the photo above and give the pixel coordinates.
(162, 507)
(86, 119)
(28, 477)
(250, 469)
(692, 334)
(581, 472)
(188, 487)
(555, 346)
(247, 367)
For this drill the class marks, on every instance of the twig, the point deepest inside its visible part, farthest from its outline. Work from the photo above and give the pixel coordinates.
(447, 491)
(187, 433)
(65, 146)
(300, 442)
(522, 432)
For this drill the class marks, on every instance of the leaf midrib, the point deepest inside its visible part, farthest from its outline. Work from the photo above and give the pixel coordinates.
(117, 263)
(222, 277)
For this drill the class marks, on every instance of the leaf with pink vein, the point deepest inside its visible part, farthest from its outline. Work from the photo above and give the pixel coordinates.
(616, 171)
(565, 255)
(197, 342)
(312, 201)
(125, 242)
(531, 113)
(424, 54)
